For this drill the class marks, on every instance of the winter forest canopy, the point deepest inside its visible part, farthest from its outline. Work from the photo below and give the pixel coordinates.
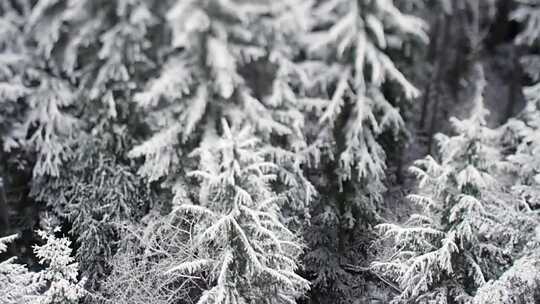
(269, 151)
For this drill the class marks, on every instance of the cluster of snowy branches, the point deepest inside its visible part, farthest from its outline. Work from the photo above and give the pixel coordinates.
(57, 283)
(230, 151)
(473, 226)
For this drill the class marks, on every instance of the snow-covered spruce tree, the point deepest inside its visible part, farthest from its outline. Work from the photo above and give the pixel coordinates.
(102, 46)
(12, 50)
(525, 129)
(96, 193)
(243, 250)
(92, 55)
(471, 228)
(89, 51)
(203, 82)
(521, 282)
(56, 283)
(16, 282)
(347, 52)
(353, 87)
(60, 276)
(46, 128)
(523, 143)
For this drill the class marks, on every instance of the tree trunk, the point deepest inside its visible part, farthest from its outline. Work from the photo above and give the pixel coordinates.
(4, 220)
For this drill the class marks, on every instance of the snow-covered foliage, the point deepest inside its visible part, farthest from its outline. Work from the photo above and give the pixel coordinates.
(69, 67)
(228, 236)
(348, 49)
(528, 13)
(60, 275)
(200, 85)
(234, 151)
(461, 240)
(140, 271)
(519, 284)
(524, 140)
(46, 129)
(98, 193)
(243, 250)
(100, 45)
(16, 282)
(204, 81)
(525, 130)
(57, 283)
(62, 56)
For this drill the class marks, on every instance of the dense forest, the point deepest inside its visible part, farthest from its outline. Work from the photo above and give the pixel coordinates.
(269, 151)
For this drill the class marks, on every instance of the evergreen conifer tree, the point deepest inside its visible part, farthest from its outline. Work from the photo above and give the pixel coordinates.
(84, 60)
(16, 282)
(242, 248)
(201, 84)
(56, 283)
(461, 240)
(349, 67)
(524, 130)
(60, 275)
